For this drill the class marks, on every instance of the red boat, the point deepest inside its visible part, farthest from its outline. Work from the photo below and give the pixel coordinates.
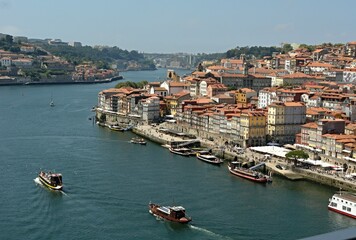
(173, 214)
(248, 174)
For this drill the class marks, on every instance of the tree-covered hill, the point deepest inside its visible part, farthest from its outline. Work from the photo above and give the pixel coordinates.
(250, 52)
(100, 55)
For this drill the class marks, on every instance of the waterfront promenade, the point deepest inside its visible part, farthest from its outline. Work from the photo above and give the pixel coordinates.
(330, 178)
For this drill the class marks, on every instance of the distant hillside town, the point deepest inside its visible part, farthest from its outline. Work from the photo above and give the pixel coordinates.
(44, 61)
(305, 97)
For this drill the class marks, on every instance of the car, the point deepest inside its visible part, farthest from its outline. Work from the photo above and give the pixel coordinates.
(279, 167)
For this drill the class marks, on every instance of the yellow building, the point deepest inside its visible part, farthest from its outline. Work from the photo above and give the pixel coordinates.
(244, 95)
(253, 128)
(173, 102)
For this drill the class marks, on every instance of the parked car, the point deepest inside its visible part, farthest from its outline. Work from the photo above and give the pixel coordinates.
(279, 167)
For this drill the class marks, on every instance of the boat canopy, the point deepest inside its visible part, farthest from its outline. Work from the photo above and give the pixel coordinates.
(178, 208)
(164, 210)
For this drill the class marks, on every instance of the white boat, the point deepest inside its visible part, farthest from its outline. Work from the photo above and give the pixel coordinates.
(209, 158)
(137, 140)
(343, 203)
(51, 103)
(181, 151)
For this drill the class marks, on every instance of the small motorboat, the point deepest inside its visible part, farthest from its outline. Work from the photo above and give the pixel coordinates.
(173, 214)
(209, 158)
(137, 140)
(51, 180)
(181, 151)
(115, 128)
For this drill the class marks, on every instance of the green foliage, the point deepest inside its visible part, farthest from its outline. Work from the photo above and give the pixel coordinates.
(132, 84)
(296, 154)
(100, 56)
(8, 44)
(255, 51)
(309, 47)
(287, 48)
(209, 57)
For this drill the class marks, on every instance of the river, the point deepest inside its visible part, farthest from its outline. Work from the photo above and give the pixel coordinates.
(109, 182)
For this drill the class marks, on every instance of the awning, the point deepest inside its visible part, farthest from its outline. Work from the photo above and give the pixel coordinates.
(350, 159)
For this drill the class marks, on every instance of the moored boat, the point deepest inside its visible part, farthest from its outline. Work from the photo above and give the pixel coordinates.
(343, 203)
(209, 158)
(115, 128)
(137, 140)
(181, 151)
(173, 214)
(51, 180)
(248, 173)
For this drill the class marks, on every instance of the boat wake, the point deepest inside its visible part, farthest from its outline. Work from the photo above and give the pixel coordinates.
(38, 182)
(210, 233)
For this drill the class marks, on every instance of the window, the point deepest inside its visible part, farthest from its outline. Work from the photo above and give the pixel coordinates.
(349, 209)
(343, 208)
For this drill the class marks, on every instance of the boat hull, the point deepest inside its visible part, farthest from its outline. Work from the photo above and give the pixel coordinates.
(343, 203)
(252, 178)
(186, 154)
(341, 212)
(45, 183)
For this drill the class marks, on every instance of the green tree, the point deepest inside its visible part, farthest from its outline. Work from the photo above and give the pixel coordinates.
(309, 47)
(287, 48)
(297, 154)
(132, 84)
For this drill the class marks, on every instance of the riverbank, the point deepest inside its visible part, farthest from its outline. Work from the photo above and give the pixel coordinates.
(59, 82)
(288, 170)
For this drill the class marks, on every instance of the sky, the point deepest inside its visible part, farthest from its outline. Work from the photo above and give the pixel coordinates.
(189, 26)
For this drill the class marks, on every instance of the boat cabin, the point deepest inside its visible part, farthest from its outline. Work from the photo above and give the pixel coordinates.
(176, 212)
(55, 179)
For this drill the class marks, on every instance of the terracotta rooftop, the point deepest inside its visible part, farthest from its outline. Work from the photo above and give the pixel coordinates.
(310, 125)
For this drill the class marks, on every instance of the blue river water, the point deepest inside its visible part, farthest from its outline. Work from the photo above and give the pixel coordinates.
(109, 182)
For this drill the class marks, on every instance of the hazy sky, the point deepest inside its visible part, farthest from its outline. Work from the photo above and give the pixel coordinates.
(192, 26)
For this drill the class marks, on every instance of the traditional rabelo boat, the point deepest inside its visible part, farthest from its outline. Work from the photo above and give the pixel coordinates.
(173, 214)
(137, 140)
(51, 180)
(181, 151)
(249, 174)
(209, 158)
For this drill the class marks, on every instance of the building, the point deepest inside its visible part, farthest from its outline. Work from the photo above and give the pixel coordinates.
(75, 44)
(284, 121)
(6, 62)
(292, 79)
(244, 95)
(266, 97)
(252, 128)
(215, 89)
(150, 109)
(174, 101)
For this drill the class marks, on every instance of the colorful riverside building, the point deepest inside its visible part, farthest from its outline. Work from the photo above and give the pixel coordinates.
(253, 128)
(284, 121)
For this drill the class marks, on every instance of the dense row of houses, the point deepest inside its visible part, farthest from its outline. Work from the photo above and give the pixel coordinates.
(297, 97)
